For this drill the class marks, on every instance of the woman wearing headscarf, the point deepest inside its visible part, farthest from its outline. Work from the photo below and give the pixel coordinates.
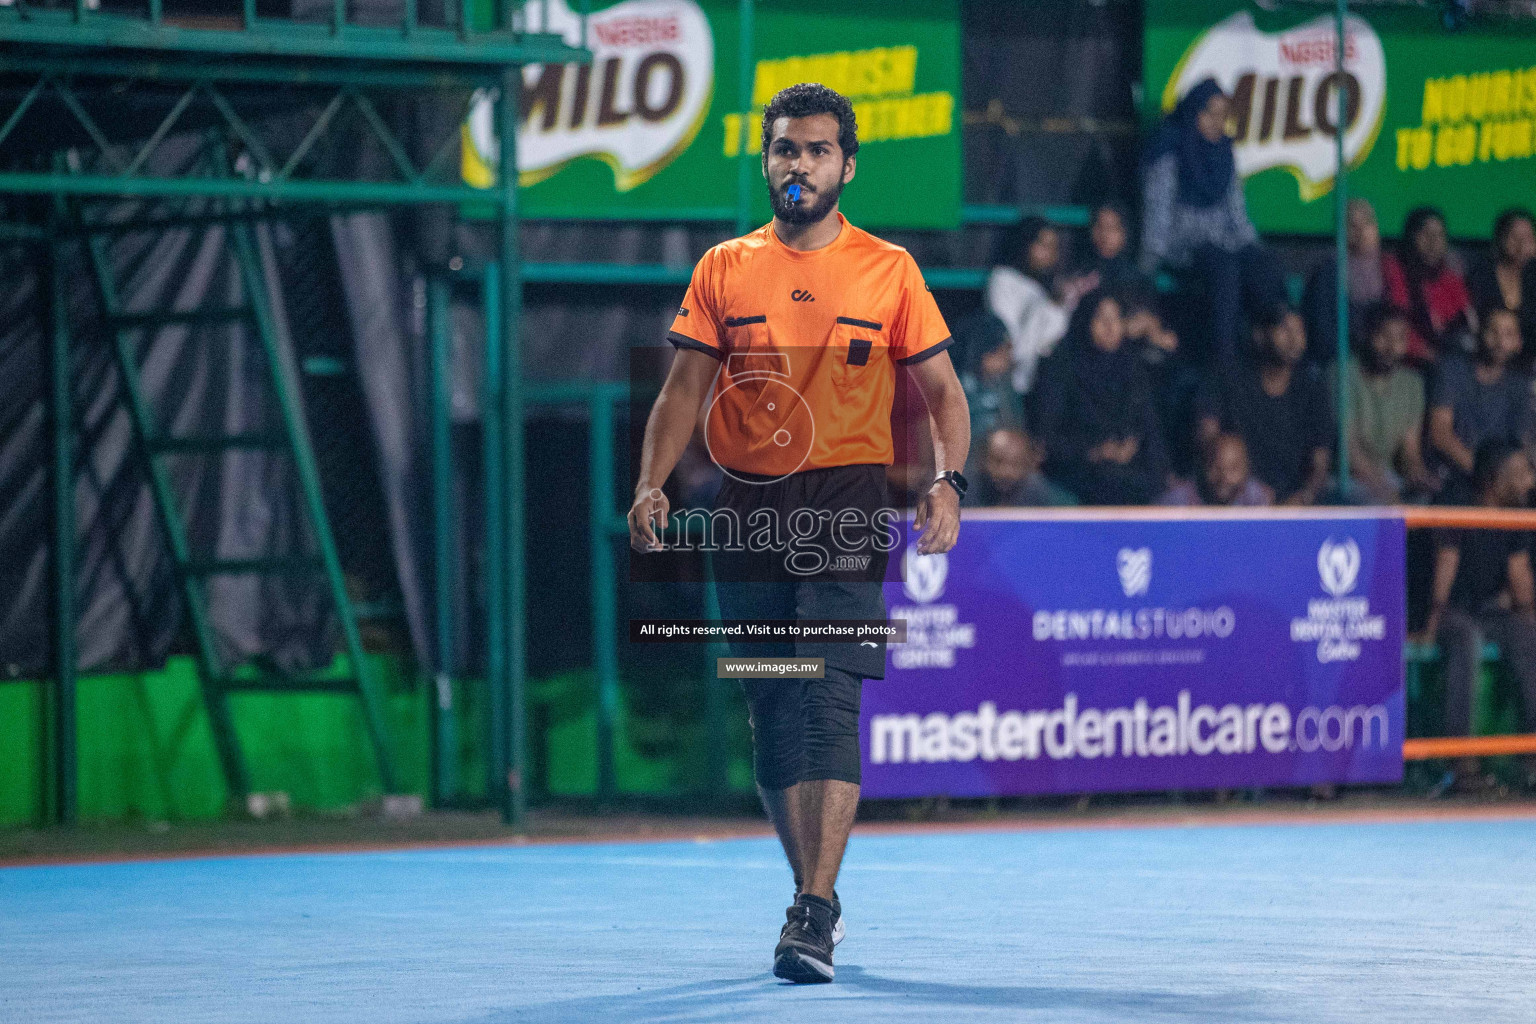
(1423, 281)
(1364, 278)
(1097, 417)
(1507, 278)
(985, 358)
(1020, 293)
(1195, 217)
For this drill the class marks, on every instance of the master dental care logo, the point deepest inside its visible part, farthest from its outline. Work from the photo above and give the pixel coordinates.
(1338, 624)
(1284, 88)
(934, 631)
(1338, 565)
(923, 576)
(636, 107)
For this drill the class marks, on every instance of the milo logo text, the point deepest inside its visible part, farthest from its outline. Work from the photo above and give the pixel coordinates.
(1285, 90)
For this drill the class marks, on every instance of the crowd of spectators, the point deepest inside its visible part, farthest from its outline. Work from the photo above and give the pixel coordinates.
(1180, 373)
(1177, 370)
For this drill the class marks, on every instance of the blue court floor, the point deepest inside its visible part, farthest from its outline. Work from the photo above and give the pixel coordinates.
(1426, 921)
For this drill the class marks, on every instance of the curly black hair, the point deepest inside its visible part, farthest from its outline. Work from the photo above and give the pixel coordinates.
(806, 100)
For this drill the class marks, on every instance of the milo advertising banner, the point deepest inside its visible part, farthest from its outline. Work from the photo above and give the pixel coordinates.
(653, 123)
(1431, 116)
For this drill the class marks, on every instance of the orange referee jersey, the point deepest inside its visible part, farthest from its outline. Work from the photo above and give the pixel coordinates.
(808, 343)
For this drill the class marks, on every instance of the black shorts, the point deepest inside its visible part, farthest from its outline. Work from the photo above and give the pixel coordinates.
(807, 729)
(804, 729)
(771, 585)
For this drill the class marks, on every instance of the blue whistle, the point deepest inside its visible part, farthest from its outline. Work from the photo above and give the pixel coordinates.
(794, 193)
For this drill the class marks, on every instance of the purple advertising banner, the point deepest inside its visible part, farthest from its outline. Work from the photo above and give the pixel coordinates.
(1075, 652)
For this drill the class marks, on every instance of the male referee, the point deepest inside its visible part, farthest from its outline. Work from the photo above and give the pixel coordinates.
(796, 331)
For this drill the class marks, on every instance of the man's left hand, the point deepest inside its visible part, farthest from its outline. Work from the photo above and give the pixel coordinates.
(938, 519)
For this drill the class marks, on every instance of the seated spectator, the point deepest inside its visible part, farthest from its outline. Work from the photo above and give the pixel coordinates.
(1195, 218)
(1472, 402)
(1422, 280)
(1386, 411)
(1109, 264)
(986, 374)
(1096, 412)
(1010, 473)
(1279, 408)
(1508, 277)
(1173, 378)
(1110, 267)
(1021, 294)
(1363, 279)
(1225, 478)
(1483, 590)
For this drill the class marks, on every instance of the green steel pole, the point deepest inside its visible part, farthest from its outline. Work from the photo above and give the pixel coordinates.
(744, 161)
(718, 751)
(63, 725)
(444, 747)
(514, 804)
(604, 587)
(494, 413)
(290, 408)
(1341, 247)
(325, 191)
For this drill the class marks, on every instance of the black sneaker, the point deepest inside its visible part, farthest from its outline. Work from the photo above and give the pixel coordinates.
(804, 952)
(838, 931)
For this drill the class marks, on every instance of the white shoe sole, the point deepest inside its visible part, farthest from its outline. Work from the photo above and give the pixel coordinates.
(801, 969)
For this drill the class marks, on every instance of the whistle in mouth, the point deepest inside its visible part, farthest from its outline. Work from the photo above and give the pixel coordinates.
(794, 193)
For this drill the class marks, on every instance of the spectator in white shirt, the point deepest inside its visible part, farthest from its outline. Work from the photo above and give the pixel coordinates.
(1021, 293)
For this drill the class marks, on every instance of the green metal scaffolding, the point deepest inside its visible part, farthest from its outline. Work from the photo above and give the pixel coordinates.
(73, 59)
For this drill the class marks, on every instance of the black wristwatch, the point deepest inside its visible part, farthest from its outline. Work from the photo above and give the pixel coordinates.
(955, 479)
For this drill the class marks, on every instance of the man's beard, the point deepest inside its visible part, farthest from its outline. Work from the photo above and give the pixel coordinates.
(803, 212)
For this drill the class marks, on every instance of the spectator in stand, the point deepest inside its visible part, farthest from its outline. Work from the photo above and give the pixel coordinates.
(1472, 402)
(1173, 380)
(1195, 218)
(1364, 279)
(1483, 590)
(1110, 267)
(1279, 407)
(1508, 277)
(1010, 473)
(1021, 293)
(1423, 280)
(1109, 263)
(1225, 478)
(986, 374)
(1097, 413)
(1386, 411)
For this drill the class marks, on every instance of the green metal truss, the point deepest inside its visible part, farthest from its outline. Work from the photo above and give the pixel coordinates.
(108, 168)
(218, 681)
(334, 69)
(73, 128)
(464, 45)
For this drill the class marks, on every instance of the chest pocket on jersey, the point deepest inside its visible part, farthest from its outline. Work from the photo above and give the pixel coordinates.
(750, 349)
(859, 350)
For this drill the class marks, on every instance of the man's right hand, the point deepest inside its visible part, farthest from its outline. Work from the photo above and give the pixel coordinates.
(650, 503)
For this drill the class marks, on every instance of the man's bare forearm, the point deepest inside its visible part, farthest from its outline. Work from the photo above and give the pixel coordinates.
(951, 416)
(670, 424)
(667, 432)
